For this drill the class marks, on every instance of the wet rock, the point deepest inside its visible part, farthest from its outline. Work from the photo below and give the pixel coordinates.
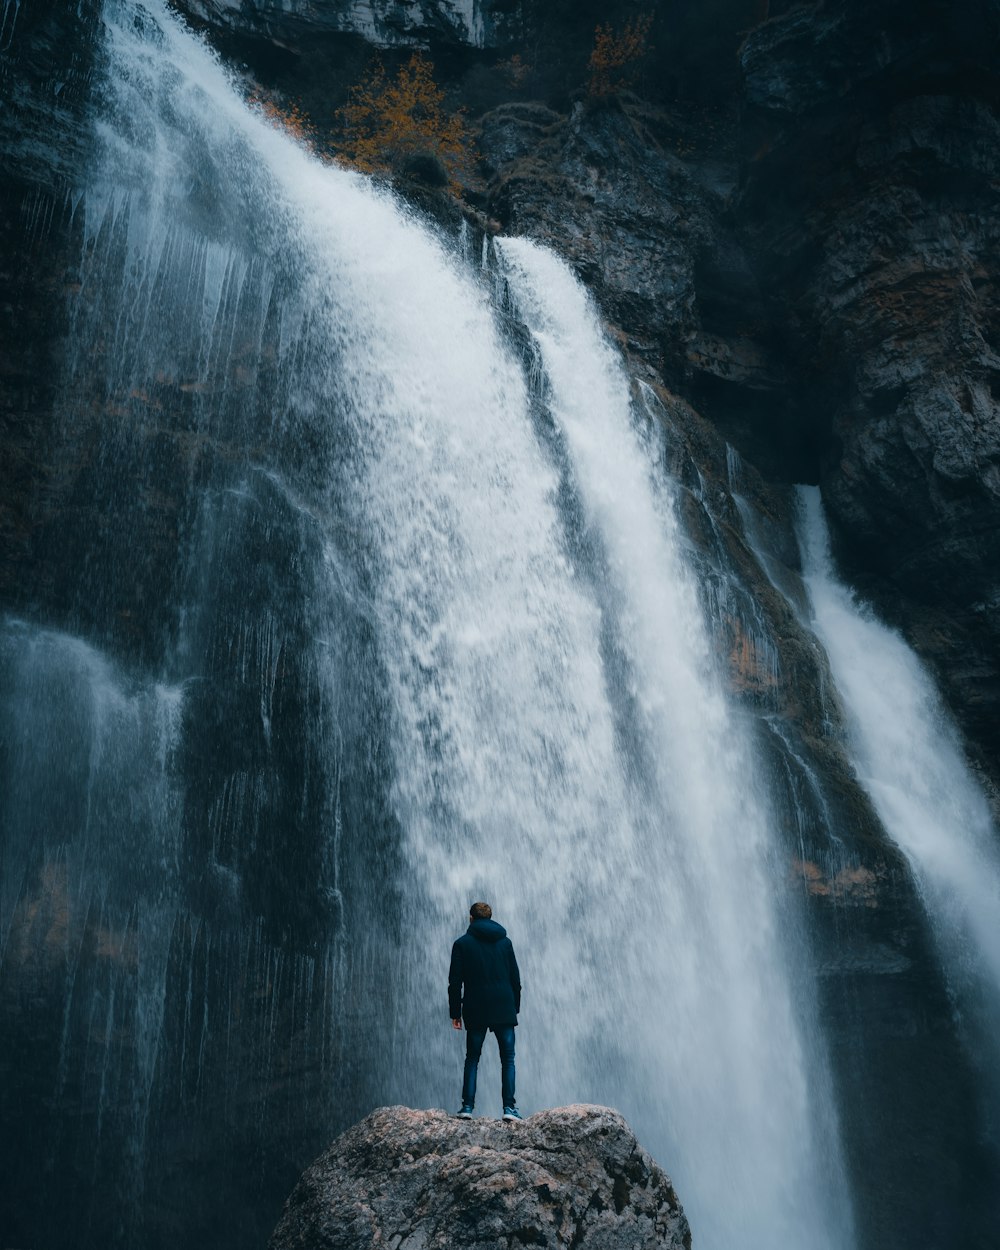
(384, 23)
(639, 200)
(835, 314)
(599, 189)
(46, 54)
(869, 208)
(573, 1176)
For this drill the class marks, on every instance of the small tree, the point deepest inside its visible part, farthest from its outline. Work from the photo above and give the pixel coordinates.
(616, 61)
(390, 123)
(288, 117)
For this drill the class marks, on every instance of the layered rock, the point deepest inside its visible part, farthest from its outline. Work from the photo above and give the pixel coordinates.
(869, 207)
(660, 239)
(836, 316)
(573, 1176)
(385, 23)
(639, 200)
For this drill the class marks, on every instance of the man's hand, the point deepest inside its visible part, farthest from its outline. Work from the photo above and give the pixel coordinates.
(456, 1024)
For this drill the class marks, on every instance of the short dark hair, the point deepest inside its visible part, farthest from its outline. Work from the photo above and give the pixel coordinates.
(480, 911)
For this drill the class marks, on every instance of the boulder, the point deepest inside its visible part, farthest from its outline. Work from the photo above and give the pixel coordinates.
(422, 1180)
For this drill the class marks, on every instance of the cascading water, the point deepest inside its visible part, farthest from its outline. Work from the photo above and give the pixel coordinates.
(424, 632)
(110, 745)
(716, 1057)
(909, 758)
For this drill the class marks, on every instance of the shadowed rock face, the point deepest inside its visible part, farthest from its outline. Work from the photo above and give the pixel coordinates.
(830, 308)
(573, 1176)
(869, 205)
(672, 249)
(639, 200)
(385, 23)
(46, 54)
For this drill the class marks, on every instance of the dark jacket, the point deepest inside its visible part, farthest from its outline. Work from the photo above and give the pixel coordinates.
(482, 960)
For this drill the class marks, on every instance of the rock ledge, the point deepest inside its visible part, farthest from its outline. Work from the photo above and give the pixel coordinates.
(421, 1180)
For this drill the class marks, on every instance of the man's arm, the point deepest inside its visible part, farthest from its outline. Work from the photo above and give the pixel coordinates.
(515, 977)
(455, 979)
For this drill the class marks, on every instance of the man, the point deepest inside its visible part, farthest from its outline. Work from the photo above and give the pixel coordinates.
(482, 961)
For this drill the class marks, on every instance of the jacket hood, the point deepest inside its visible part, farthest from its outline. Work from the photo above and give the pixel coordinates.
(487, 930)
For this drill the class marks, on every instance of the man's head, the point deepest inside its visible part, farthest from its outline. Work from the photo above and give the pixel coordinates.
(480, 911)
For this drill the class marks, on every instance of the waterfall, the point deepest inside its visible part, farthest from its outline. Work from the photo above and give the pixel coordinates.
(716, 1057)
(909, 757)
(110, 744)
(411, 624)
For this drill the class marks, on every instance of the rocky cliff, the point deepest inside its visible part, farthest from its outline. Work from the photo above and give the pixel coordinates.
(814, 271)
(384, 23)
(796, 252)
(796, 249)
(797, 229)
(422, 1180)
(868, 208)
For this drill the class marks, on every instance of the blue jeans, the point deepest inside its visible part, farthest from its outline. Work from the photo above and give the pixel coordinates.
(474, 1038)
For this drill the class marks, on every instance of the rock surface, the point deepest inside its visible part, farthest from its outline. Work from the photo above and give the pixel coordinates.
(384, 23)
(422, 1180)
(810, 266)
(826, 302)
(869, 209)
(638, 200)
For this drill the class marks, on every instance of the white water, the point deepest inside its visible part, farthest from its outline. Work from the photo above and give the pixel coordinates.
(909, 757)
(88, 794)
(560, 742)
(717, 1055)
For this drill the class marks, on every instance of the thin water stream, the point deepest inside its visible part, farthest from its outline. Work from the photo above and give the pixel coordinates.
(909, 757)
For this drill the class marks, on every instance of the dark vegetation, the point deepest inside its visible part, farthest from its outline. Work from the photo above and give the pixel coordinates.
(397, 119)
(679, 57)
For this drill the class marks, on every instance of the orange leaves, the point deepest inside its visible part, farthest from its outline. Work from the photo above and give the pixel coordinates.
(616, 61)
(288, 117)
(397, 124)
(389, 122)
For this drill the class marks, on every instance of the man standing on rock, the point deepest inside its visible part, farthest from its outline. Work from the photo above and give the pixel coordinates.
(482, 961)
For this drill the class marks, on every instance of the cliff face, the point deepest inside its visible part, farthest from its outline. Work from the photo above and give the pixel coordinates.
(385, 23)
(824, 290)
(806, 272)
(659, 239)
(44, 73)
(573, 1176)
(870, 141)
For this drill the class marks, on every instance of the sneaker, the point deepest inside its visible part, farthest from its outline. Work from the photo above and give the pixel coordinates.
(512, 1113)
(465, 1113)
